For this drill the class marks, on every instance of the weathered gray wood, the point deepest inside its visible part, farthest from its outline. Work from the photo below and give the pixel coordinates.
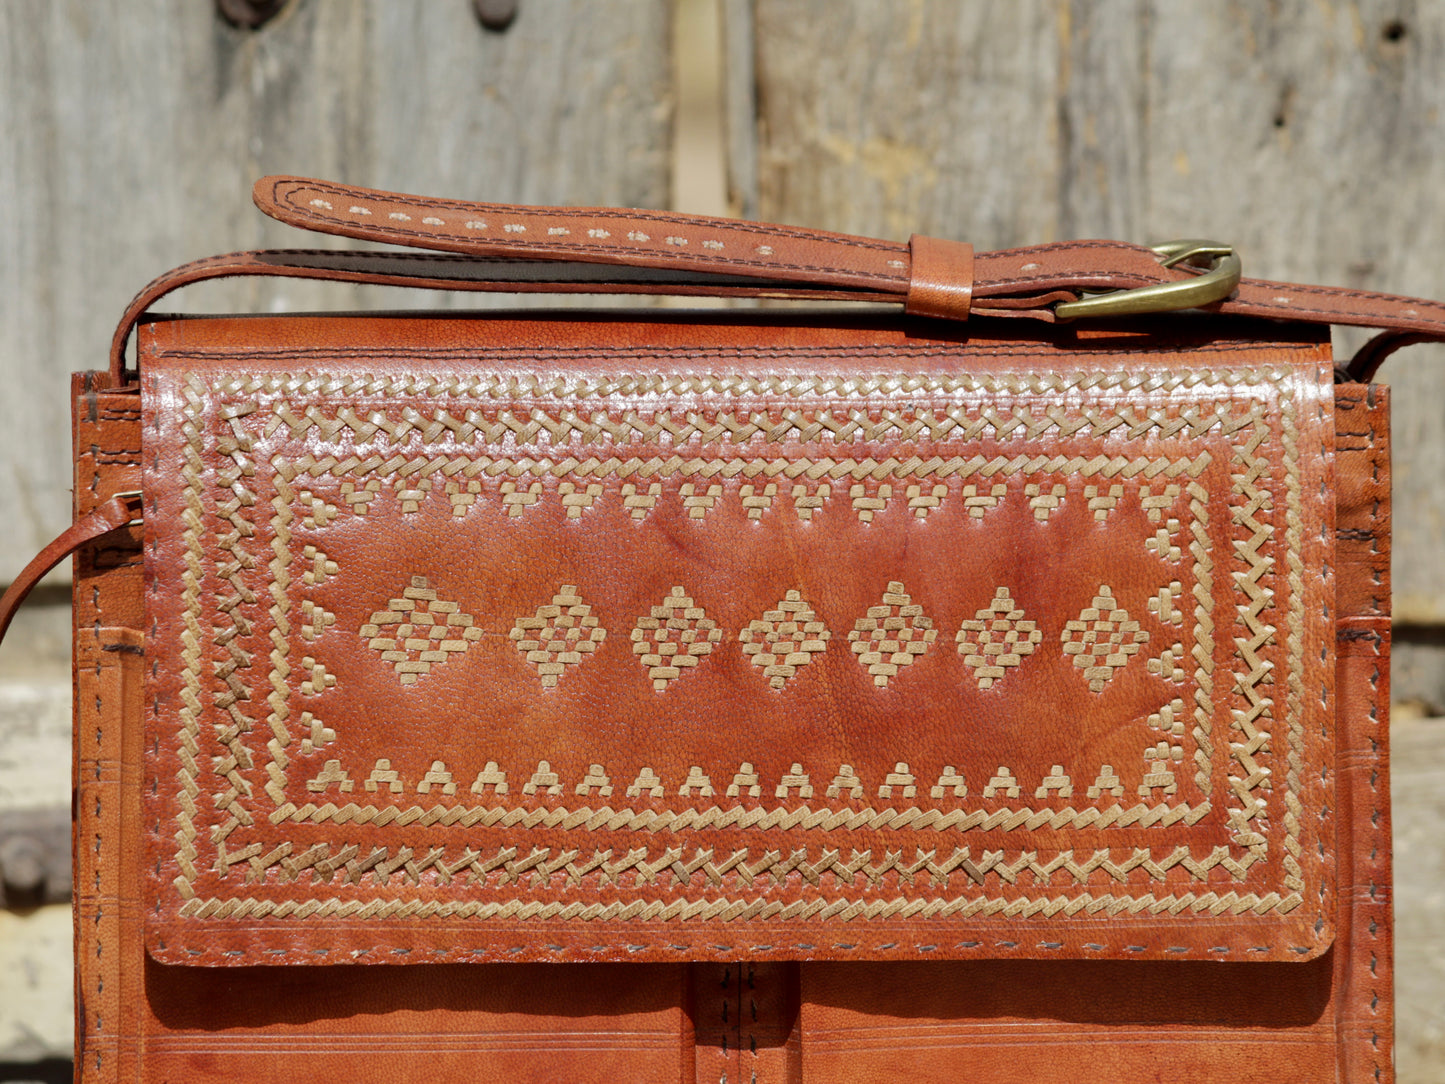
(889, 118)
(1103, 111)
(1419, 827)
(133, 130)
(739, 103)
(1310, 133)
(1417, 671)
(35, 708)
(699, 145)
(36, 1019)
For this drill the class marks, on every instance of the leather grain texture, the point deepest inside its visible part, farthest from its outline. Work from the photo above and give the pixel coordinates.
(139, 1018)
(668, 640)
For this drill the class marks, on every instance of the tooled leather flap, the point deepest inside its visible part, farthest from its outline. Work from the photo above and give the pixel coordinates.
(595, 640)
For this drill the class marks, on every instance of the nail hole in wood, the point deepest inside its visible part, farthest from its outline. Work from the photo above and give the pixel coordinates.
(495, 15)
(249, 14)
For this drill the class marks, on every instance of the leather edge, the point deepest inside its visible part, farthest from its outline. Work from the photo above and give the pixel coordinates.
(1364, 961)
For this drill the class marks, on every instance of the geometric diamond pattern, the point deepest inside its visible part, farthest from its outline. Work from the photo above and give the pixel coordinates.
(416, 631)
(558, 635)
(892, 635)
(997, 639)
(785, 639)
(673, 638)
(1102, 639)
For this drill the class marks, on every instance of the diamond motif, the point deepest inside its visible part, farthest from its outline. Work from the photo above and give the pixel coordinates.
(558, 635)
(997, 639)
(673, 638)
(417, 630)
(785, 639)
(1102, 639)
(891, 635)
(315, 619)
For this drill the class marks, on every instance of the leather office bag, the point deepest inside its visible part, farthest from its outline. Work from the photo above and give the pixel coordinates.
(734, 697)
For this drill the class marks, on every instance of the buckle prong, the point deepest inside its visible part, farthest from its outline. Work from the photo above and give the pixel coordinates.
(1220, 272)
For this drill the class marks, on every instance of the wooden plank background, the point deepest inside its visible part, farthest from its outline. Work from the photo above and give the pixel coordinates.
(133, 131)
(1309, 133)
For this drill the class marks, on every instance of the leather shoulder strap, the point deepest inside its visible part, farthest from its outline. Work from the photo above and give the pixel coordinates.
(506, 247)
(120, 511)
(1025, 279)
(609, 235)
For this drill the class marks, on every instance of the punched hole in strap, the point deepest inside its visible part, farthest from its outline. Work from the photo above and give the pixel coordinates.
(940, 281)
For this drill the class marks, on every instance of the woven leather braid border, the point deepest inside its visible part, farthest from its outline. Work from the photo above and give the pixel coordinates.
(236, 393)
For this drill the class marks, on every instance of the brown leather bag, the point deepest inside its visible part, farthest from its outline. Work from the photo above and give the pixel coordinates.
(746, 696)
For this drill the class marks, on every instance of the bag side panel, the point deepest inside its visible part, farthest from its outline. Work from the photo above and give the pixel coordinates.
(107, 686)
(1364, 955)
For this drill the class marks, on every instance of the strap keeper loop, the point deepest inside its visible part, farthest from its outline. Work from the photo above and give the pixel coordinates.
(940, 281)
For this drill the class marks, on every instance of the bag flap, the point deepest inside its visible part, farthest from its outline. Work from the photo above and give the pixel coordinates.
(494, 639)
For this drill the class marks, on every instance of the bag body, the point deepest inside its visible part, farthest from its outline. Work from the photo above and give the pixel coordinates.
(758, 696)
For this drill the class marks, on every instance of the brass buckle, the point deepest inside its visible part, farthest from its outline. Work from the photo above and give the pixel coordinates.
(138, 495)
(1220, 269)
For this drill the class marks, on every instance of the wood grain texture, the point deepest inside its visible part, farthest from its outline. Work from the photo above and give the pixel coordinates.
(36, 1021)
(1309, 133)
(1418, 757)
(738, 103)
(889, 118)
(134, 130)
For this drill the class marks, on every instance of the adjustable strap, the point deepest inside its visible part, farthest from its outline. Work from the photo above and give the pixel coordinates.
(120, 511)
(504, 247)
(468, 273)
(608, 235)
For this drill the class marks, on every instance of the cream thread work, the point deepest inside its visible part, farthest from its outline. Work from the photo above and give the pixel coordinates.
(1255, 500)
